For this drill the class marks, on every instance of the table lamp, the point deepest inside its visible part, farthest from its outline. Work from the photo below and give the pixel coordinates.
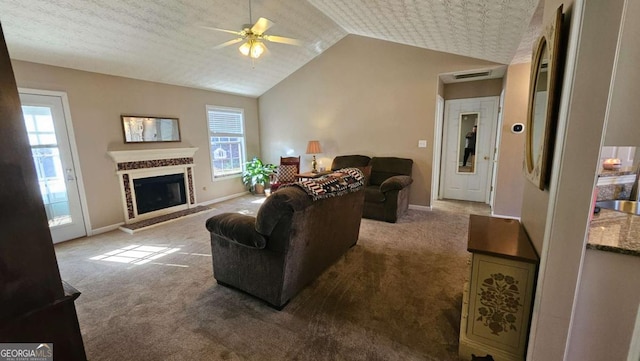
(313, 147)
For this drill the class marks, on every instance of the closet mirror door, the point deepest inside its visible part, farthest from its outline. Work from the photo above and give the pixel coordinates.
(468, 132)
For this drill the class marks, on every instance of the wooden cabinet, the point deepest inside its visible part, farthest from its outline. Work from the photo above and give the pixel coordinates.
(498, 296)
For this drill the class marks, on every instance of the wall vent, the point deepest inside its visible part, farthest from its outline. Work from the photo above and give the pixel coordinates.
(473, 75)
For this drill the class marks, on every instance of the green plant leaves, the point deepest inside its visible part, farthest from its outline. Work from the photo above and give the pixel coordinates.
(257, 172)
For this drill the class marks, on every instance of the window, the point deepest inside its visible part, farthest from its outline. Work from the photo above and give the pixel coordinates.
(226, 141)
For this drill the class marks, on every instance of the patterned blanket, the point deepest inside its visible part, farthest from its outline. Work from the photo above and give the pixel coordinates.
(342, 181)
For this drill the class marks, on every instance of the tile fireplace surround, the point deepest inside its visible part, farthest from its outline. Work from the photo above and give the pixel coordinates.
(138, 164)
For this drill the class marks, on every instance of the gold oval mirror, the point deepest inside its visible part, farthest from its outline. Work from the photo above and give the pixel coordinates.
(542, 110)
(538, 102)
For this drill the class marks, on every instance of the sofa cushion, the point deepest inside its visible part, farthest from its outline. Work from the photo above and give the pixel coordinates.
(373, 194)
(386, 167)
(278, 205)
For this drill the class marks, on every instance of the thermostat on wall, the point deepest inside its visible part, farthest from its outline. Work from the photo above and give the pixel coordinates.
(517, 128)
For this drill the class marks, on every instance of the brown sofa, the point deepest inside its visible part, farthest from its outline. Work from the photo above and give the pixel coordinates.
(290, 242)
(387, 191)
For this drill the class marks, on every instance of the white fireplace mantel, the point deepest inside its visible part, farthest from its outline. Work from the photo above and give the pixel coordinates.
(137, 164)
(124, 156)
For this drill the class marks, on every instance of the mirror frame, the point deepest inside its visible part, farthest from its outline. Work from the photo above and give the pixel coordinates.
(538, 170)
(127, 118)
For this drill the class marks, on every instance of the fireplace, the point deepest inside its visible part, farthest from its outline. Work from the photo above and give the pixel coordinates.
(153, 193)
(154, 182)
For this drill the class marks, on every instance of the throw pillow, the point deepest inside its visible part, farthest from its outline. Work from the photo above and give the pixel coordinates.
(287, 173)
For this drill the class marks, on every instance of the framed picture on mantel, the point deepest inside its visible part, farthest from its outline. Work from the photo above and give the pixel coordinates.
(144, 129)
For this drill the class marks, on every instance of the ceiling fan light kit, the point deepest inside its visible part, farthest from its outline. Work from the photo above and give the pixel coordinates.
(252, 48)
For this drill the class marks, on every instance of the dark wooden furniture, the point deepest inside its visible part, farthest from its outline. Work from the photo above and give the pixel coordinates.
(311, 175)
(498, 296)
(34, 305)
(287, 170)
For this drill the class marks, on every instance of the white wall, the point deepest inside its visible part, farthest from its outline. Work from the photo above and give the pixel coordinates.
(608, 300)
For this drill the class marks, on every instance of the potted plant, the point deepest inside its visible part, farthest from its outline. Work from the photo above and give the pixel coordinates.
(256, 174)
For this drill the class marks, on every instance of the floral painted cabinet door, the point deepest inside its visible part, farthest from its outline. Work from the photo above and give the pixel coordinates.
(498, 297)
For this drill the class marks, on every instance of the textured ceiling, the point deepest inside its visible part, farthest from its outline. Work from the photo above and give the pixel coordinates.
(163, 41)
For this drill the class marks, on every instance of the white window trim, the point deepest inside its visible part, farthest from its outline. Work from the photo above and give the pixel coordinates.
(244, 143)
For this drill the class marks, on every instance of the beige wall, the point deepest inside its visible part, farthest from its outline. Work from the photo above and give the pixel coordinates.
(622, 120)
(473, 89)
(361, 96)
(607, 303)
(96, 103)
(573, 178)
(509, 176)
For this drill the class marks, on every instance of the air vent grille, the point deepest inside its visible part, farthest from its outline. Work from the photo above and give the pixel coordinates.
(472, 75)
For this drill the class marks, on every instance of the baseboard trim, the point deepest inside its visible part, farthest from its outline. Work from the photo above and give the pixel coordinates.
(503, 216)
(222, 199)
(420, 208)
(106, 229)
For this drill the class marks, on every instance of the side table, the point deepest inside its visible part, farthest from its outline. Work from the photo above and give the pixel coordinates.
(311, 175)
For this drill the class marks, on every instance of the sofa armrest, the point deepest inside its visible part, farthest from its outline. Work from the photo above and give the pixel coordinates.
(237, 228)
(397, 182)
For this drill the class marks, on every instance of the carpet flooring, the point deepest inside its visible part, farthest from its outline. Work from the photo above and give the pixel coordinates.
(396, 295)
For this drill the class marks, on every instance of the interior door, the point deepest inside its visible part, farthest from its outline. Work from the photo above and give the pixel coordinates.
(44, 117)
(468, 137)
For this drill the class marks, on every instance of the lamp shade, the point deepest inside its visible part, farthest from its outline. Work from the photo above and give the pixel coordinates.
(313, 147)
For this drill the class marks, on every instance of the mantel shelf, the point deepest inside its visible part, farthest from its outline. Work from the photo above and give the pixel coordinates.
(123, 156)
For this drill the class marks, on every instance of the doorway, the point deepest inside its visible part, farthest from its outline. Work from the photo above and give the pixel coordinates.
(468, 143)
(46, 116)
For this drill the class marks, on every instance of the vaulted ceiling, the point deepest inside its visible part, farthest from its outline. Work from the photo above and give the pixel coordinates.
(164, 40)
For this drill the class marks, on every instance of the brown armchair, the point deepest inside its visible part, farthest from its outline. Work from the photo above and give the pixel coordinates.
(387, 191)
(286, 173)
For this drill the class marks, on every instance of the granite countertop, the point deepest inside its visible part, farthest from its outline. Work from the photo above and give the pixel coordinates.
(617, 172)
(614, 231)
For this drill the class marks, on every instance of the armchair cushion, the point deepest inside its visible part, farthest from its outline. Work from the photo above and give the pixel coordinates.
(396, 182)
(373, 194)
(237, 228)
(348, 161)
(386, 167)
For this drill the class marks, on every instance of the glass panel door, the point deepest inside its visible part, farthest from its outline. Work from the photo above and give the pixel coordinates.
(51, 151)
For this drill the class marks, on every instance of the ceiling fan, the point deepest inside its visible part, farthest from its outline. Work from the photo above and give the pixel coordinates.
(254, 37)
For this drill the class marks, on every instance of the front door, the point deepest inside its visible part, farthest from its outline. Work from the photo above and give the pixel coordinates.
(468, 142)
(44, 117)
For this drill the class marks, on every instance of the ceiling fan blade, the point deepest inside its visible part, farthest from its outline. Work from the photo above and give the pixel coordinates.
(223, 30)
(262, 25)
(282, 40)
(230, 42)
